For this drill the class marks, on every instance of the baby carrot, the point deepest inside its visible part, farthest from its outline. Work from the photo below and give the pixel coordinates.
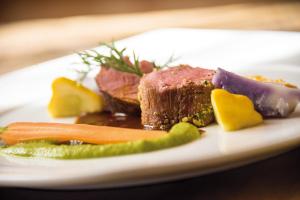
(28, 131)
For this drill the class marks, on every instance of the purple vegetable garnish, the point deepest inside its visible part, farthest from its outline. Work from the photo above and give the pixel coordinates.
(270, 99)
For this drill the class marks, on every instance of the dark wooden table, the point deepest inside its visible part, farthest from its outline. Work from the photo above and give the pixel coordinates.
(277, 178)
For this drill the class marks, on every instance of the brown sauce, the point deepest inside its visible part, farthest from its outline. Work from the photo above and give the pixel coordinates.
(115, 120)
(109, 119)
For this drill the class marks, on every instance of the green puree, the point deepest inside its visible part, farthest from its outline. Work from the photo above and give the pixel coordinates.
(180, 133)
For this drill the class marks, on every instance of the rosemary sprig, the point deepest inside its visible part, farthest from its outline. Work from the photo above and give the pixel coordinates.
(171, 59)
(116, 60)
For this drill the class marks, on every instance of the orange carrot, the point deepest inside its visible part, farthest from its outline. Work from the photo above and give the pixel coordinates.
(27, 131)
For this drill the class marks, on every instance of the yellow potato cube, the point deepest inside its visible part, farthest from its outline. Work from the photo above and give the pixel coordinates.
(70, 98)
(234, 112)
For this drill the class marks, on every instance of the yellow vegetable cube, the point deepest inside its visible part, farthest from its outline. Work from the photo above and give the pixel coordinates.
(70, 98)
(234, 112)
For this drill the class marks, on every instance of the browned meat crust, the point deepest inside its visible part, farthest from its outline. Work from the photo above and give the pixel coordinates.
(185, 97)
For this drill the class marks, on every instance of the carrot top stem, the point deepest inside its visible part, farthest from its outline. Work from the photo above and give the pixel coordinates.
(2, 129)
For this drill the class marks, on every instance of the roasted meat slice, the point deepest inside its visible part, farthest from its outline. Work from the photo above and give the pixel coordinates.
(177, 94)
(120, 88)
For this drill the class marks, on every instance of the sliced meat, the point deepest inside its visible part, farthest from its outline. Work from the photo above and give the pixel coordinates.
(177, 94)
(120, 88)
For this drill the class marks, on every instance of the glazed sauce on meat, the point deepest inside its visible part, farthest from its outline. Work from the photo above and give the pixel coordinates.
(109, 119)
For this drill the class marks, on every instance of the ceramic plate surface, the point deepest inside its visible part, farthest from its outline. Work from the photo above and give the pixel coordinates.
(25, 94)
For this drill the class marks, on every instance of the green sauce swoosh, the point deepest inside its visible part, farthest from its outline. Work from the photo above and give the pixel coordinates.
(180, 134)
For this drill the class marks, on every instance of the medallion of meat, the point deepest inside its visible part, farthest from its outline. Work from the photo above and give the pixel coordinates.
(177, 94)
(120, 88)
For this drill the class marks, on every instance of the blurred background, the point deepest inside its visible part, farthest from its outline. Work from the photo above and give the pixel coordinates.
(32, 31)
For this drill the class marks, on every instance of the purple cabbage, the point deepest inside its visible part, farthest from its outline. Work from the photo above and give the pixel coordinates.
(269, 99)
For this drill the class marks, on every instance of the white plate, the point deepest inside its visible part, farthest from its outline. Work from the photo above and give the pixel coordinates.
(25, 94)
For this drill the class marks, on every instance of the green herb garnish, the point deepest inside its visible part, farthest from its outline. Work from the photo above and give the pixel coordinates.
(116, 60)
(166, 64)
